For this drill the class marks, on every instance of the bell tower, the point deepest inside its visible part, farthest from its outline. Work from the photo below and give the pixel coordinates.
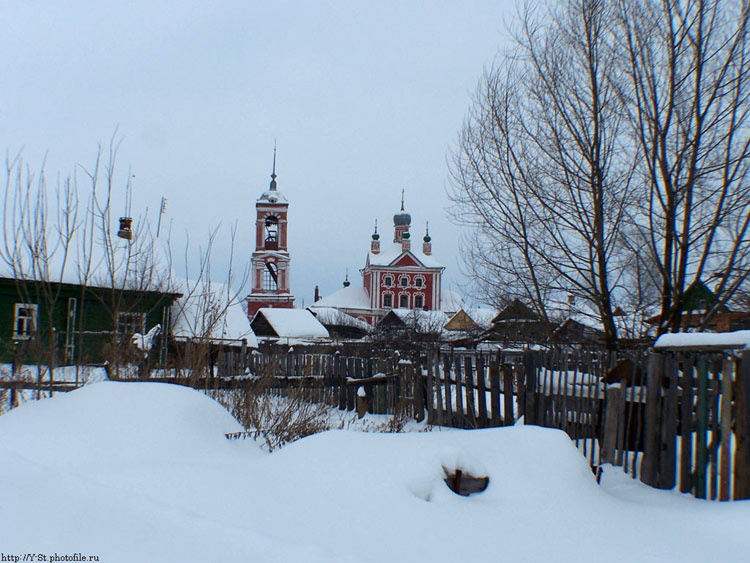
(270, 261)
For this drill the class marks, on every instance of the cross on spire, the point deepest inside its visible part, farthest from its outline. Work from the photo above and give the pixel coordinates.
(273, 171)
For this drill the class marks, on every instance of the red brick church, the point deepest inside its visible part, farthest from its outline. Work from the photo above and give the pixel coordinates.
(396, 275)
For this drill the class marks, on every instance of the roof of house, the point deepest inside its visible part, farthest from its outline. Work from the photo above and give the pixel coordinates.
(422, 321)
(211, 311)
(329, 316)
(471, 319)
(292, 323)
(352, 297)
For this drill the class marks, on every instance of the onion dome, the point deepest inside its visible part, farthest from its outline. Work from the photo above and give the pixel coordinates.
(427, 237)
(375, 235)
(402, 219)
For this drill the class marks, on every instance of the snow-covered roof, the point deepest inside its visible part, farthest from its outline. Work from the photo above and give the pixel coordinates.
(482, 317)
(335, 317)
(352, 297)
(424, 321)
(212, 311)
(273, 196)
(294, 323)
(391, 252)
(739, 339)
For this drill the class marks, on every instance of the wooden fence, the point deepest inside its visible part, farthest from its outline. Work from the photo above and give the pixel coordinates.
(672, 419)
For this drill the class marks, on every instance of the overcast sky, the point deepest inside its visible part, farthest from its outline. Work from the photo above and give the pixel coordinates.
(363, 98)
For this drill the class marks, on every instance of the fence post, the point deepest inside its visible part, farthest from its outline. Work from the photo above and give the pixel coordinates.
(650, 465)
(508, 418)
(668, 447)
(701, 447)
(613, 414)
(495, 393)
(726, 429)
(481, 393)
(742, 404)
(529, 369)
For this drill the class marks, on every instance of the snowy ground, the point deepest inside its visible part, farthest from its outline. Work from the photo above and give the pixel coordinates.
(142, 472)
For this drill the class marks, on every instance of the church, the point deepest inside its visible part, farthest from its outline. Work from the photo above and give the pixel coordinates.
(397, 274)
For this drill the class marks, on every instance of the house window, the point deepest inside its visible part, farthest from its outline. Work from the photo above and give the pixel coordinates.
(403, 301)
(418, 301)
(24, 320)
(419, 281)
(388, 281)
(403, 281)
(131, 322)
(388, 301)
(270, 277)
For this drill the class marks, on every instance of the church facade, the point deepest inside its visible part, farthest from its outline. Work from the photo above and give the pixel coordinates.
(396, 275)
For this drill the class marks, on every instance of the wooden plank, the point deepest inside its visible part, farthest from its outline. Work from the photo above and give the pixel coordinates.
(667, 457)
(701, 447)
(742, 431)
(508, 419)
(529, 372)
(613, 410)
(448, 413)
(471, 414)
(725, 462)
(650, 465)
(481, 390)
(495, 417)
(686, 429)
(713, 426)
(459, 393)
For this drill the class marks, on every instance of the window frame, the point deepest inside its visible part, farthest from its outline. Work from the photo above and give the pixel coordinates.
(388, 296)
(420, 297)
(30, 325)
(140, 323)
(401, 297)
(388, 280)
(403, 281)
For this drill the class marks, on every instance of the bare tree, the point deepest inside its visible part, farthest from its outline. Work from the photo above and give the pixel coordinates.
(540, 170)
(687, 100)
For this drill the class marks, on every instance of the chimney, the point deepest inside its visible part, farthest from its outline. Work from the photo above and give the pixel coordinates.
(317, 294)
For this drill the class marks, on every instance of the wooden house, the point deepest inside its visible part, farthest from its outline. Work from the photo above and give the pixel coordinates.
(73, 323)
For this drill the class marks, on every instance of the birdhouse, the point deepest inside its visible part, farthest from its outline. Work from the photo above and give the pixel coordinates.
(126, 228)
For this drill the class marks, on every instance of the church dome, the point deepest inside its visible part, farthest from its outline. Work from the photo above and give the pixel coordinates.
(402, 219)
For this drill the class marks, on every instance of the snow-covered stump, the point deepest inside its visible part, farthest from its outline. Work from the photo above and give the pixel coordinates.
(463, 483)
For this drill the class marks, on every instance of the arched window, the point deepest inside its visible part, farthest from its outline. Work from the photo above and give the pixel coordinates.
(418, 301)
(271, 277)
(388, 281)
(387, 301)
(403, 301)
(403, 281)
(272, 229)
(419, 281)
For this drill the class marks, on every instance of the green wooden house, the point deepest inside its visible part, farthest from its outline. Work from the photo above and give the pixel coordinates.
(76, 324)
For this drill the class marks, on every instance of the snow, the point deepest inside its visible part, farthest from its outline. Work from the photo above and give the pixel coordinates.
(391, 252)
(736, 339)
(212, 311)
(423, 321)
(143, 472)
(294, 323)
(346, 298)
(335, 317)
